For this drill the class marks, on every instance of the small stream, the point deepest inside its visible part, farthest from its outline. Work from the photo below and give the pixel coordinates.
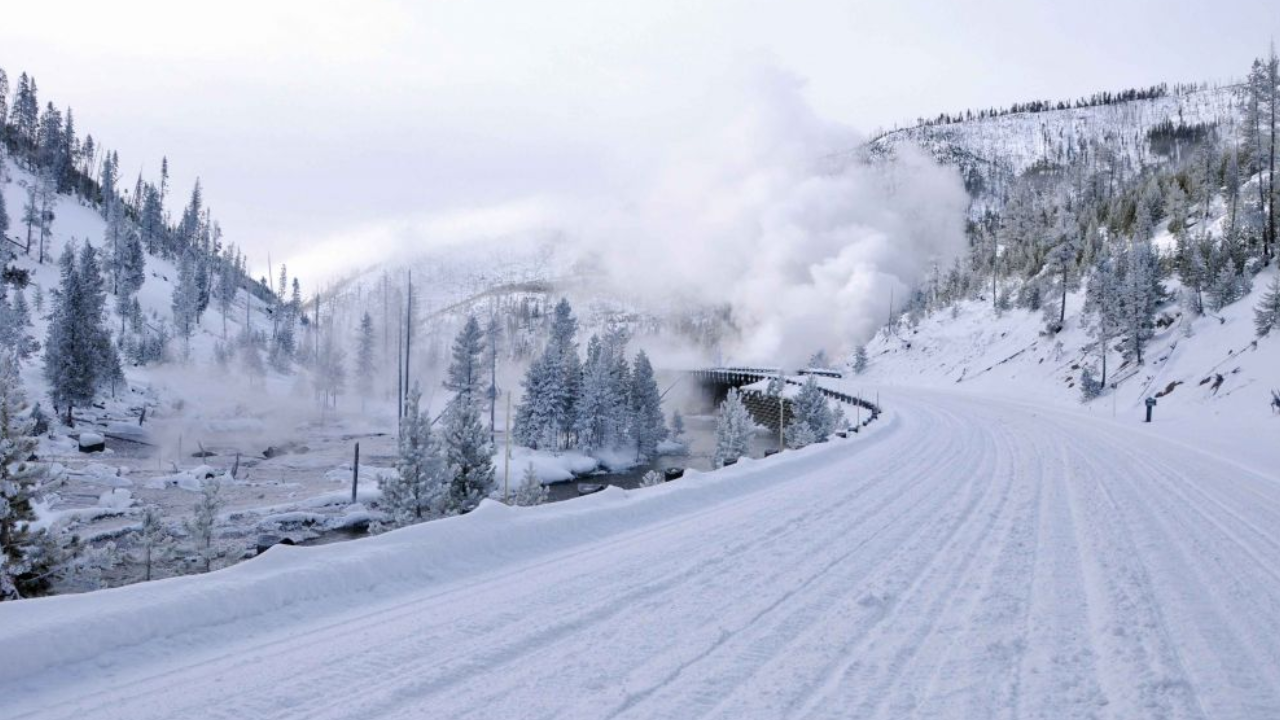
(699, 437)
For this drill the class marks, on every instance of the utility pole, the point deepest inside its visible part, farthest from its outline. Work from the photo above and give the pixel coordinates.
(506, 455)
(408, 332)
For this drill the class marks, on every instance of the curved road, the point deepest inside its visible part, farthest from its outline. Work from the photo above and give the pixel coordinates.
(972, 560)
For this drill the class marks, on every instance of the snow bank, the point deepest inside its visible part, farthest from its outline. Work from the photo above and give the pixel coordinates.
(57, 631)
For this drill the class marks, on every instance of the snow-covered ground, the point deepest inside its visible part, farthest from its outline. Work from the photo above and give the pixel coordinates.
(971, 557)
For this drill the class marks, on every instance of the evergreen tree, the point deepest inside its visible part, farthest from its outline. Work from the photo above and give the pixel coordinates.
(1225, 288)
(364, 357)
(733, 430)
(1266, 316)
(537, 416)
(203, 526)
(860, 359)
(1140, 294)
(68, 365)
(414, 491)
(812, 415)
(648, 425)
(468, 455)
(677, 427)
(1102, 307)
(153, 539)
(466, 374)
(21, 569)
(531, 490)
(186, 298)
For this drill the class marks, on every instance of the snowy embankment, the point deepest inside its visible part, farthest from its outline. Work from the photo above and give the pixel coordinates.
(65, 630)
(973, 558)
(1211, 375)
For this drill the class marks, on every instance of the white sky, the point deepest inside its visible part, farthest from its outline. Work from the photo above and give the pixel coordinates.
(315, 124)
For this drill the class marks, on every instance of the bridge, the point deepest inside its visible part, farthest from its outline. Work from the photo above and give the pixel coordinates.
(768, 410)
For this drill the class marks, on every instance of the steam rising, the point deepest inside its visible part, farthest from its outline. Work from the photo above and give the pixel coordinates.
(754, 212)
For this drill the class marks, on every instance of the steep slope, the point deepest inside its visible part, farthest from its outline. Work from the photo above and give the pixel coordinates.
(991, 151)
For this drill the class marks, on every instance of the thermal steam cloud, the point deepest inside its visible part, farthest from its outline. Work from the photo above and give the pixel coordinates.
(765, 210)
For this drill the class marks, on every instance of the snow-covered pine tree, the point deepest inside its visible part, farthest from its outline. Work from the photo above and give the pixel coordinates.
(733, 430)
(648, 425)
(186, 300)
(466, 374)
(468, 455)
(21, 574)
(860, 359)
(364, 358)
(1101, 305)
(536, 421)
(202, 528)
(677, 427)
(67, 364)
(1140, 293)
(799, 434)
(1225, 287)
(531, 490)
(1266, 315)
(414, 492)
(153, 539)
(813, 421)
(563, 347)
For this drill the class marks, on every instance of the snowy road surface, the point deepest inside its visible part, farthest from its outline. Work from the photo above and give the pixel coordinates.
(971, 560)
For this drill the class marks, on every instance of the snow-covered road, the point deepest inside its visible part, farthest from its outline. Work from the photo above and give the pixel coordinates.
(969, 560)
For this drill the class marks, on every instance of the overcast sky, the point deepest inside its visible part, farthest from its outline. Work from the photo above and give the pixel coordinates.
(317, 125)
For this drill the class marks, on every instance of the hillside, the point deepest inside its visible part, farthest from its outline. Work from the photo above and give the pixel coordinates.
(991, 152)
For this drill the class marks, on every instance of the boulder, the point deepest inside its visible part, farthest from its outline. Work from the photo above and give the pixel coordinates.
(92, 442)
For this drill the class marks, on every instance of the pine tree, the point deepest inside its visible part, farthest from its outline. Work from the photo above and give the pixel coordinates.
(153, 539)
(536, 422)
(812, 419)
(413, 493)
(203, 526)
(1225, 288)
(799, 434)
(186, 298)
(364, 358)
(733, 430)
(648, 425)
(531, 490)
(466, 374)
(677, 427)
(69, 366)
(1266, 316)
(1140, 293)
(20, 568)
(860, 359)
(1102, 307)
(468, 455)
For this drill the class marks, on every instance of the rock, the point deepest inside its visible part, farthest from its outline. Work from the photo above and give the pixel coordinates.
(672, 473)
(92, 442)
(266, 542)
(590, 488)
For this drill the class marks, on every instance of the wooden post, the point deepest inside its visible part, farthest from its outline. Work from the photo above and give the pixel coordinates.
(355, 475)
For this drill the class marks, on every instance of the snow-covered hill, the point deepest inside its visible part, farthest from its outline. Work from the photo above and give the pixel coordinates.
(991, 151)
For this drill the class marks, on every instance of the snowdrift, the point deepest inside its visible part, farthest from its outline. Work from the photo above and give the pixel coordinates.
(310, 582)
